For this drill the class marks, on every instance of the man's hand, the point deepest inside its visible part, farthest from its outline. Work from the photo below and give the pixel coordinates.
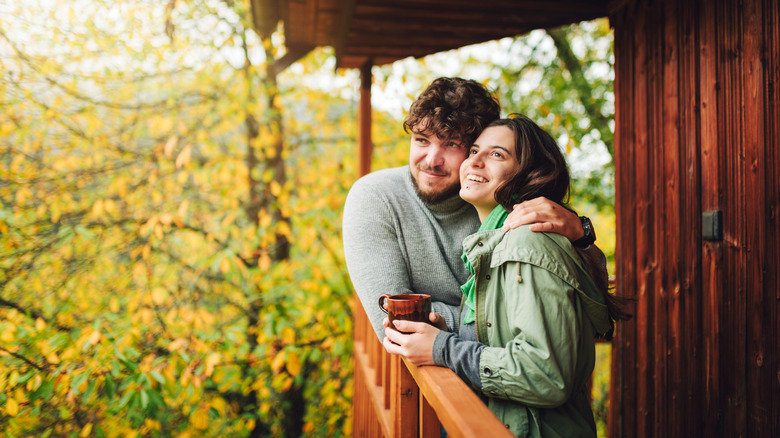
(438, 321)
(416, 346)
(545, 215)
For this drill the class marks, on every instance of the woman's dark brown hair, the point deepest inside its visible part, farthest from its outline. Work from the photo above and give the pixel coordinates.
(543, 172)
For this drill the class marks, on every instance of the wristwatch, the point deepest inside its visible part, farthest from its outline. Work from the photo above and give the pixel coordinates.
(590, 234)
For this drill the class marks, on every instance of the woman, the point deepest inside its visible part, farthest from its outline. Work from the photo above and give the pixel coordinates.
(530, 310)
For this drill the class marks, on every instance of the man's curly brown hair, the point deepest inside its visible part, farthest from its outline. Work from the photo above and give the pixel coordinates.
(453, 108)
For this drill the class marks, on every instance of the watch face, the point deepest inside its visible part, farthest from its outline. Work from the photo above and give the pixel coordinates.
(590, 235)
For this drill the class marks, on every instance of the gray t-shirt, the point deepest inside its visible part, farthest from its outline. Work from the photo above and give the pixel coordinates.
(396, 243)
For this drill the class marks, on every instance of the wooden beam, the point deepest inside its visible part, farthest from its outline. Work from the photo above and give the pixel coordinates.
(265, 16)
(364, 119)
(345, 22)
(293, 54)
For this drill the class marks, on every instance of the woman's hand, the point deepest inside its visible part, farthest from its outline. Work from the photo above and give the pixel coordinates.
(545, 215)
(416, 346)
(436, 320)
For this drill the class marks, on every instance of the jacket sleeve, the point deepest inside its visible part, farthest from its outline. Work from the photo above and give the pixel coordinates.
(376, 258)
(536, 361)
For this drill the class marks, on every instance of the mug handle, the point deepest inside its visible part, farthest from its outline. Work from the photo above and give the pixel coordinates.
(381, 304)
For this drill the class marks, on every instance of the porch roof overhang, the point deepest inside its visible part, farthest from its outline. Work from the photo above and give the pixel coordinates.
(384, 31)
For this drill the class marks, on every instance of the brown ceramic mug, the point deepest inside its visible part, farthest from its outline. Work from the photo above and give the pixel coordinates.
(408, 307)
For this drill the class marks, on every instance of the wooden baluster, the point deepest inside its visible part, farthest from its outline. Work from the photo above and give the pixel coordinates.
(373, 353)
(376, 359)
(404, 400)
(430, 426)
(386, 378)
(360, 404)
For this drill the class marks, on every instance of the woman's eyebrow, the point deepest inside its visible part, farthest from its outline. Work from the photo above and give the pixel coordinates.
(498, 146)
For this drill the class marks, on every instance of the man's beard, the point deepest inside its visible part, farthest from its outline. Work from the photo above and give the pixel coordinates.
(435, 197)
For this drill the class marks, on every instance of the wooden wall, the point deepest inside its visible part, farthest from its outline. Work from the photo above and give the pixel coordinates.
(697, 127)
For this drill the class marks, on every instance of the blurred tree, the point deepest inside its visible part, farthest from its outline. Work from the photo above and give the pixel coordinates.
(150, 279)
(563, 79)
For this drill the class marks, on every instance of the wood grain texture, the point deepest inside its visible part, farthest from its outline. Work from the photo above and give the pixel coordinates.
(697, 117)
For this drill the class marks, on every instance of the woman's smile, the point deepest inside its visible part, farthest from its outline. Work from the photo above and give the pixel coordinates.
(477, 178)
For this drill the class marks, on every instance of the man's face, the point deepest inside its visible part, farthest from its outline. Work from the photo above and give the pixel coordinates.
(435, 166)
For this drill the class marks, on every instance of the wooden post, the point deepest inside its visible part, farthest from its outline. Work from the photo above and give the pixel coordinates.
(364, 119)
(404, 401)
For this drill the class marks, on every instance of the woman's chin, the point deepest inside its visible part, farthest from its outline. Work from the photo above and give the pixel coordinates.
(466, 195)
(474, 196)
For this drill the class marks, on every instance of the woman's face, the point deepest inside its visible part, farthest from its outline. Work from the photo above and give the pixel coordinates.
(490, 162)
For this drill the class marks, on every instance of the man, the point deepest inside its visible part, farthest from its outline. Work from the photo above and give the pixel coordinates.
(404, 227)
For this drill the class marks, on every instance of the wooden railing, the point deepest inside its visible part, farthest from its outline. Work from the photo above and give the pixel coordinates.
(394, 398)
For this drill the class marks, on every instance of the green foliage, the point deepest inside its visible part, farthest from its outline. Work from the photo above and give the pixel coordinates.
(600, 387)
(138, 296)
(541, 86)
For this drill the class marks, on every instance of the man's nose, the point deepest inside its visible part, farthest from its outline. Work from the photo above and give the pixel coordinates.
(435, 157)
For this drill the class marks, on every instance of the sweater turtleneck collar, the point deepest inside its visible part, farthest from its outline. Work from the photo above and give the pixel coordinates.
(449, 205)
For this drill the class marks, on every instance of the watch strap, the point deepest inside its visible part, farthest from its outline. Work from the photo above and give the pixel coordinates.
(590, 234)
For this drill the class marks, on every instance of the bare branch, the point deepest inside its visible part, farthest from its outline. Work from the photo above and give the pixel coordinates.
(26, 360)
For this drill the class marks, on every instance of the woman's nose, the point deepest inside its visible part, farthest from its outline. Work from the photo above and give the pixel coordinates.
(476, 160)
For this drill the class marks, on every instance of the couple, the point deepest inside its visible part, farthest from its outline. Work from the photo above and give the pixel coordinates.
(531, 304)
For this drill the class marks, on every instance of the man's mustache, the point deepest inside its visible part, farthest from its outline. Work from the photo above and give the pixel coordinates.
(434, 170)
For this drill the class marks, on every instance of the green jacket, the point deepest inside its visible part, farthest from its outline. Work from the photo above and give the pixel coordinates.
(537, 310)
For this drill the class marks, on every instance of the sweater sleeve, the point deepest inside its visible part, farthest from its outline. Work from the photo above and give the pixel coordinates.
(375, 260)
(459, 355)
(537, 366)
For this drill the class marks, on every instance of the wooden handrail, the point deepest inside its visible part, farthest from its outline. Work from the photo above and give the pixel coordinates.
(394, 398)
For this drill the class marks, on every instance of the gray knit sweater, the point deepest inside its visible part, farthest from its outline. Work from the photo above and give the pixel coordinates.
(395, 243)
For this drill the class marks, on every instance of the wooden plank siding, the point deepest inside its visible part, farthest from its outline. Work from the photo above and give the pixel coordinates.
(697, 127)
